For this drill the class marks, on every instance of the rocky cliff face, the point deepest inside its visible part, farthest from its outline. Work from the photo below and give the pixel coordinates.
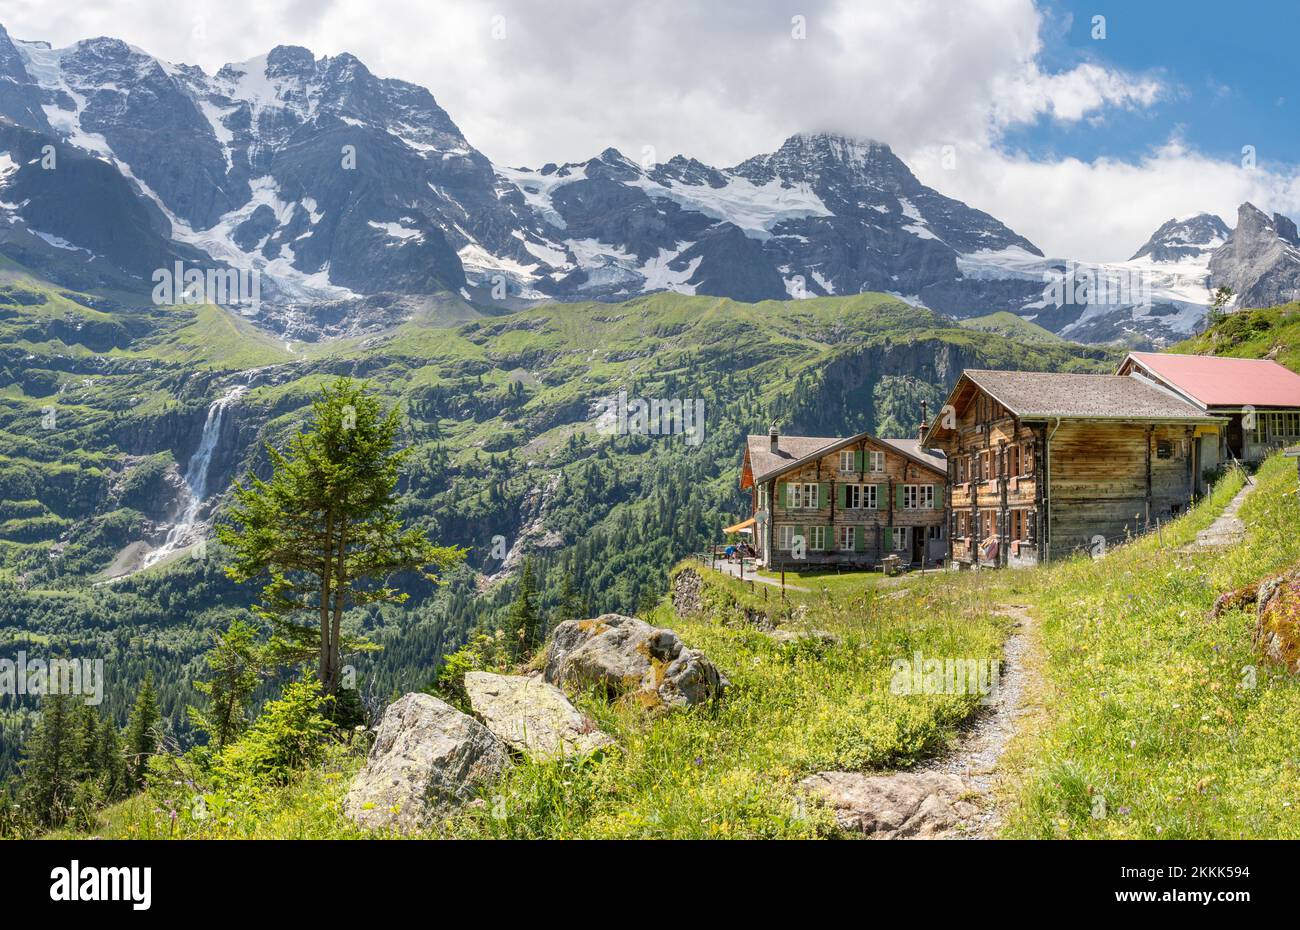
(1261, 262)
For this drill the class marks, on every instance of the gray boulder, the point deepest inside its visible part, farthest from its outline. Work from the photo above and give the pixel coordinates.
(532, 716)
(428, 758)
(919, 805)
(626, 656)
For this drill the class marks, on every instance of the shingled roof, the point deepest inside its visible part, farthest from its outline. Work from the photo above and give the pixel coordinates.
(1037, 395)
(913, 448)
(791, 450)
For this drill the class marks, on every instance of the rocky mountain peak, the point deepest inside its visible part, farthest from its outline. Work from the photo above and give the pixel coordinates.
(1186, 237)
(289, 59)
(1261, 262)
(810, 157)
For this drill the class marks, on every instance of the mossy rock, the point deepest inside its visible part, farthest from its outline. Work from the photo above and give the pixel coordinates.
(1277, 629)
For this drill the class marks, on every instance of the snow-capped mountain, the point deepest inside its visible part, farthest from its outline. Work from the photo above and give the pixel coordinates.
(348, 190)
(1191, 238)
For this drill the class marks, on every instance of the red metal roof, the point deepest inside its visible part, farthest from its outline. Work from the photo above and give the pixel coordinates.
(1215, 381)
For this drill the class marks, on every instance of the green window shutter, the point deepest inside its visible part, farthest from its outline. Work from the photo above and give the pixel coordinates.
(823, 495)
(843, 496)
(859, 538)
(858, 457)
(898, 497)
(785, 495)
(938, 496)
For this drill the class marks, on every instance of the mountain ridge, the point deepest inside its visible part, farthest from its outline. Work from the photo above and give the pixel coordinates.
(360, 195)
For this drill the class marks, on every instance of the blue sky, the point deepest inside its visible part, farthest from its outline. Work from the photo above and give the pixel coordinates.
(1230, 73)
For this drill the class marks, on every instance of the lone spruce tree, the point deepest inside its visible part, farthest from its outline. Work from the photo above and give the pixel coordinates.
(524, 622)
(325, 528)
(143, 732)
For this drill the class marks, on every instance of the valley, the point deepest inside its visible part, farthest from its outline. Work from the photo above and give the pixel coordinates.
(502, 413)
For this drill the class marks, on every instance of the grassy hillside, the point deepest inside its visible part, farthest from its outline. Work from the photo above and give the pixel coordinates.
(723, 772)
(1271, 332)
(1009, 325)
(1147, 725)
(1166, 714)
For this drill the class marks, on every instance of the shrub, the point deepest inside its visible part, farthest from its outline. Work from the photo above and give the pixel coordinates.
(289, 735)
(485, 652)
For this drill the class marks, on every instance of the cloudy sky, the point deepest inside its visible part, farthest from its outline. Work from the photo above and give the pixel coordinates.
(1082, 134)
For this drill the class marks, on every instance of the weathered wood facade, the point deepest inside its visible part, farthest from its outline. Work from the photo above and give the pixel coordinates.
(1042, 465)
(849, 501)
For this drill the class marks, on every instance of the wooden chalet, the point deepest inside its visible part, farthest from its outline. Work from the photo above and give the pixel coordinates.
(1041, 464)
(1259, 398)
(853, 500)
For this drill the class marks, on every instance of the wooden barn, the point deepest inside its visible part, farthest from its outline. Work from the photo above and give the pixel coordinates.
(1259, 398)
(852, 500)
(1040, 465)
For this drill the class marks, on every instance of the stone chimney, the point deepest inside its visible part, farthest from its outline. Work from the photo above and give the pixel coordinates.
(920, 433)
(772, 437)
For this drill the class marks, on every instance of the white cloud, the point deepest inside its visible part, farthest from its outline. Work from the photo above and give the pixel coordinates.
(719, 81)
(1103, 210)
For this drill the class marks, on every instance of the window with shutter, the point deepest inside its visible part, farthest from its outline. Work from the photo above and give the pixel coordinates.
(846, 536)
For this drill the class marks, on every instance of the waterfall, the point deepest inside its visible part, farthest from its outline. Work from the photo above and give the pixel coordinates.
(196, 479)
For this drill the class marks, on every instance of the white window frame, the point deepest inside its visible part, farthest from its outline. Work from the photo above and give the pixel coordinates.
(785, 534)
(816, 539)
(870, 496)
(918, 497)
(804, 496)
(853, 497)
(1281, 425)
(877, 462)
(848, 538)
(850, 456)
(898, 538)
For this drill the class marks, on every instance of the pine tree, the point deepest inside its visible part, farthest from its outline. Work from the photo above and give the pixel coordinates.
(142, 732)
(87, 736)
(235, 663)
(50, 768)
(111, 762)
(524, 621)
(570, 606)
(325, 527)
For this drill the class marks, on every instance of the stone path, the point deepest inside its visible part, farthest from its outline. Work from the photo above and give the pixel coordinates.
(951, 795)
(1228, 529)
(981, 746)
(733, 569)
